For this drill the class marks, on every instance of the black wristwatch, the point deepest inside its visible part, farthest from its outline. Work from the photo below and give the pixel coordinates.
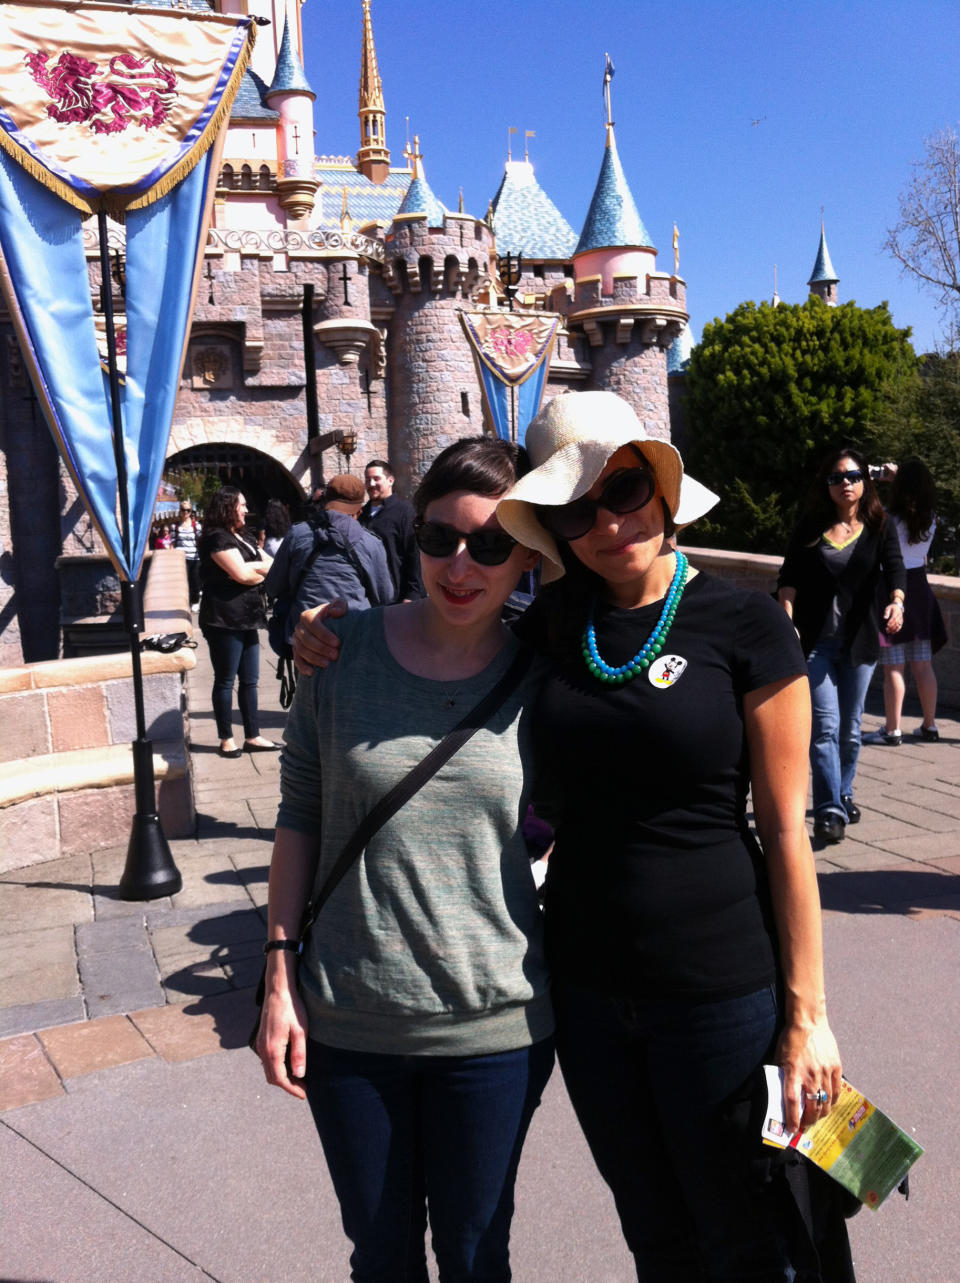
(294, 946)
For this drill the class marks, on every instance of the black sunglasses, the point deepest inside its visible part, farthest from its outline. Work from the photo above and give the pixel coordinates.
(838, 478)
(489, 547)
(626, 491)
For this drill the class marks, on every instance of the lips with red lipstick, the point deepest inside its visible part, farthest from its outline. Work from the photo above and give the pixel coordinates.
(460, 596)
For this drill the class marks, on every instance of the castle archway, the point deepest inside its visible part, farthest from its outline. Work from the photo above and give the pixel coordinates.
(259, 476)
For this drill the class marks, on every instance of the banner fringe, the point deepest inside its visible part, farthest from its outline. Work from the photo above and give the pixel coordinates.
(204, 142)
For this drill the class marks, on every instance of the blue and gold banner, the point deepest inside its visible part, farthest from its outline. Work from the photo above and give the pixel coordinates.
(512, 353)
(86, 139)
(109, 106)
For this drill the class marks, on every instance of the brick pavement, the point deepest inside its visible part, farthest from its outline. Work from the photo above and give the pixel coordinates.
(88, 981)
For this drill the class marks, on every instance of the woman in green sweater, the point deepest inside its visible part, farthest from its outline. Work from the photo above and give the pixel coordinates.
(420, 1027)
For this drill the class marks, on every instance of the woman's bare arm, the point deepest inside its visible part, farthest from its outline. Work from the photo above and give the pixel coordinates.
(244, 572)
(283, 1022)
(778, 732)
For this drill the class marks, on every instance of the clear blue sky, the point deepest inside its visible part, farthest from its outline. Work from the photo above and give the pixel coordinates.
(845, 93)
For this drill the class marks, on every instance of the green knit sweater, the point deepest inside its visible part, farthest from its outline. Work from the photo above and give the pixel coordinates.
(432, 944)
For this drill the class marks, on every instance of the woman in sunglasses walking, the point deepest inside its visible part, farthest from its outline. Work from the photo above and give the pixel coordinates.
(421, 1030)
(842, 552)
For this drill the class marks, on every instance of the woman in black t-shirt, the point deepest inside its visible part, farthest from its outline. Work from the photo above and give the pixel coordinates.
(232, 570)
(684, 954)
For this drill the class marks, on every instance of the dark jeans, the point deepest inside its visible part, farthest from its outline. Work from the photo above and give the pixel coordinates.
(235, 653)
(193, 580)
(648, 1080)
(405, 1133)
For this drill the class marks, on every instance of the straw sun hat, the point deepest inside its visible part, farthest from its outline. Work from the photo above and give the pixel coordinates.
(569, 443)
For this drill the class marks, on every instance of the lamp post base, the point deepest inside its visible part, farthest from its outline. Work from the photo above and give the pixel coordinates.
(150, 872)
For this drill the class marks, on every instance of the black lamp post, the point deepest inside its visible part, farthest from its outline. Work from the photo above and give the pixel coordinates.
(150, 871)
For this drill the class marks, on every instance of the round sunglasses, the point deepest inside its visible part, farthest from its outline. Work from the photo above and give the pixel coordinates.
(626, 491)
(487, 547)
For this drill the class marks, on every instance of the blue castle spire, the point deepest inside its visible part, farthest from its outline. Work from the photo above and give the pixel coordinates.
(613, 219)
(289, 76)
(823, 273)
(419, 201)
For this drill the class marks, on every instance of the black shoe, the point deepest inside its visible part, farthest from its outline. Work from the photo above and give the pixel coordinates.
(230, 752)
(851, 808)
(829, 827)
(260, 748)
(928, 733)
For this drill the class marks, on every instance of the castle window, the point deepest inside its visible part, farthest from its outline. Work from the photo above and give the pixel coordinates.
(538, 271)
(246, 178)
(226, 177)
(264, 179)
(465, 403)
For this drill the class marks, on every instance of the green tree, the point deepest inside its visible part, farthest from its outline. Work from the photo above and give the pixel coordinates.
(769, 390)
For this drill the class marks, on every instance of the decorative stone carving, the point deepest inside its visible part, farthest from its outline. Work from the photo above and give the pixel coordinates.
(317, 243)
(211, 367)
(348, 338)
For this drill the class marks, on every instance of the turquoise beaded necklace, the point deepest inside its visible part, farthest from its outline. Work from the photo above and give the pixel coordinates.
(650, 649)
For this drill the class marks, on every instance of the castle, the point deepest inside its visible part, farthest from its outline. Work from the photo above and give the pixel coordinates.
(389, 269)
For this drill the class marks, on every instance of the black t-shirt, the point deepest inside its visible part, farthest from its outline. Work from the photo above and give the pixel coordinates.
(656, 886)
(224, 602)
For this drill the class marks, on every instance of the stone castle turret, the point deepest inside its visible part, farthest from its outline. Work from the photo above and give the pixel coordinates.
(629, 312)
(291, 97)
(435, 263)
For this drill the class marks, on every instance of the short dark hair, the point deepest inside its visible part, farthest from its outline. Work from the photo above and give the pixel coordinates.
(379, 463)
(483, 465)
(221, 511)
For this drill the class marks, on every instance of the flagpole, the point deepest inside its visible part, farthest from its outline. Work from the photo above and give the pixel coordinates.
(150, 871)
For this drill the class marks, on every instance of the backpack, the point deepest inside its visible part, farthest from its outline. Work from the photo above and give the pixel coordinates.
(283, 604)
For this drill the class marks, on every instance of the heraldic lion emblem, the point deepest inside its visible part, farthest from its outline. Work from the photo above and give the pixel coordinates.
(133, 91)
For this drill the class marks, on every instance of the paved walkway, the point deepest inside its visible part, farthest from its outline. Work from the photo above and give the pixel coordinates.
(136, 1122)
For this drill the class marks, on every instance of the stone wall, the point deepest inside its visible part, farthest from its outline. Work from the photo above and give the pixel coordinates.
(751, 570)
(66, 774)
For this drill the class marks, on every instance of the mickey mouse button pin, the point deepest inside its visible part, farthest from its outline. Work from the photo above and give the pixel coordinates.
(667, 670)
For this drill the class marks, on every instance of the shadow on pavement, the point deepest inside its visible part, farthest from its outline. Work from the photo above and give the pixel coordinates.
(890, 891)
(233, 877)
(234, 960)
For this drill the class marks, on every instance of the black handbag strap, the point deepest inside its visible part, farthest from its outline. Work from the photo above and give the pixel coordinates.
(414, 780)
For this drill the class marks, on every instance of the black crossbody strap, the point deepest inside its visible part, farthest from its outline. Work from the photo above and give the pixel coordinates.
(414, 780)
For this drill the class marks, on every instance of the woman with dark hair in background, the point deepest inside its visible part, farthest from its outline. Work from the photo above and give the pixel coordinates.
(912, 510)
(842, 548)
(232, 569)
(276, 523)
(421, 1029)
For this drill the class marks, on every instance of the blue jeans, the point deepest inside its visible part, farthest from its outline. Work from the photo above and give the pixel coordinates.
(402, 1134)
(838, 690)
(235, 654)
(648, 1080)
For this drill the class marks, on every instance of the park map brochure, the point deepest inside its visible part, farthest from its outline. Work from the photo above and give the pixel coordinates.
(856, 1144)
